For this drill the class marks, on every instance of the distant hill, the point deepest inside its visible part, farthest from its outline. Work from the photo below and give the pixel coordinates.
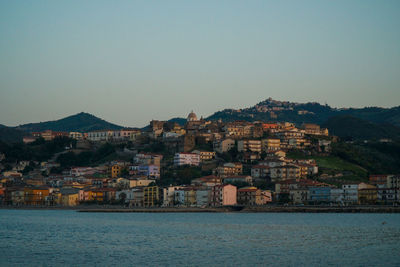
(81, 122)
(349, 127)
(273, 110)
(11, 135)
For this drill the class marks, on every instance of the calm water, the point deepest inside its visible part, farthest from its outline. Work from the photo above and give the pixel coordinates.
(51, 238)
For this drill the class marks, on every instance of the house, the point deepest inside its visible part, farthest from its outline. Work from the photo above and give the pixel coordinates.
(350, 193)
(378, 179)
(231, 168)
(203, 195)
(393, 181)
(237, 179)
(337, 195)
(367, 194)
(169, 195)
(249, 196)
(222, 146)
(116, 171)
(147, 159)
(223, 195)
(271, 144)
(259, 171)
(387, 195)
(249, 146)
(36, 195)
(319, 194)
(150, 171)
(299, 195)
(184, 158)
(205, 155)
(76, 135)
(69, 197)
(210, 180)
(151, 196)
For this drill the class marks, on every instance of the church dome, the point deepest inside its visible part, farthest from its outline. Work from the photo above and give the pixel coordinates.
(192, 116)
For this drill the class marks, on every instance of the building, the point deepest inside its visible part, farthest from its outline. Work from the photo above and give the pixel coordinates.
(222, 146)
(367, 194)
(271, 144)
(337, 195)
(249, 146)
(205, 155)
(36, 195)
(169, 195)
(223, 195)
(97, 136)
(151, 196)
(148, 159)
(260, 171)
(76, 135)
(116, 171)
(210, 180)
(249, 196)
(319, 194)
(69, 197)
(237, 179)
(350, 193)
(183, 158)
(393, 181)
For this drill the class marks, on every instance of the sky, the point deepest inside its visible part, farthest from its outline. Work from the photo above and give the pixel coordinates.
(129, 62)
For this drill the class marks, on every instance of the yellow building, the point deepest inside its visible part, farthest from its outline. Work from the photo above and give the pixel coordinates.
(367, 194)
(190, 196)
(69, 199)
(116, 171)
(35, 196)
(151, 196)
(271, 144)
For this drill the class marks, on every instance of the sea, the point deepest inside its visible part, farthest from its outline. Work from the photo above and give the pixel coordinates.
(71, 238)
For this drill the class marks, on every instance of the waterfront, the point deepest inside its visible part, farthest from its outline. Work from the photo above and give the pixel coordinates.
(66, 237)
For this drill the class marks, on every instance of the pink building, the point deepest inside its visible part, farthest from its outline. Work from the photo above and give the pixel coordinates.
(223, 195)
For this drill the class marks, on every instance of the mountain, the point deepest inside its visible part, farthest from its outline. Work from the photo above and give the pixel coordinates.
(273, 110)
(81, 122)
(349, 127)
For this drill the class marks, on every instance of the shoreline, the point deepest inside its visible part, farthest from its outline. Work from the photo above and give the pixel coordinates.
(230, 209)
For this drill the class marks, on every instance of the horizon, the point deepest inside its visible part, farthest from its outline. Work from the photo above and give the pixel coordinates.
(130, 62)
(184, 117)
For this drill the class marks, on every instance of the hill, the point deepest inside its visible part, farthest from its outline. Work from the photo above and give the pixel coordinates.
(273, 110)
(81, 122)
(11, 135)
(349, 127)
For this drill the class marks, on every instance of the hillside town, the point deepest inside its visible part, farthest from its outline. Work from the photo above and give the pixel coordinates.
(202, 163)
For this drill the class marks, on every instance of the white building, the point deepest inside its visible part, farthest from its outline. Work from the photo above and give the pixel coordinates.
(169, 195)
(183, 158)
(350, 193)
(337, 195)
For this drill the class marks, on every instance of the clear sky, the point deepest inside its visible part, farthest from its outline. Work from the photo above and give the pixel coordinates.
(132, 61)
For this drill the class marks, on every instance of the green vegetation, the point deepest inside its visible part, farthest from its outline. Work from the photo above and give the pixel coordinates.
(181, 175)
(352, 128)
(337, 169)
(376, 157)
(86, 158)
(36, 151)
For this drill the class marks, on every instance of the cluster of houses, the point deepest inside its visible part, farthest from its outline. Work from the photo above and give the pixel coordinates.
(381, 189)
(261, 157)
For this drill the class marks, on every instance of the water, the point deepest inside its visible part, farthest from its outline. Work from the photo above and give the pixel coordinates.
(57, 237)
